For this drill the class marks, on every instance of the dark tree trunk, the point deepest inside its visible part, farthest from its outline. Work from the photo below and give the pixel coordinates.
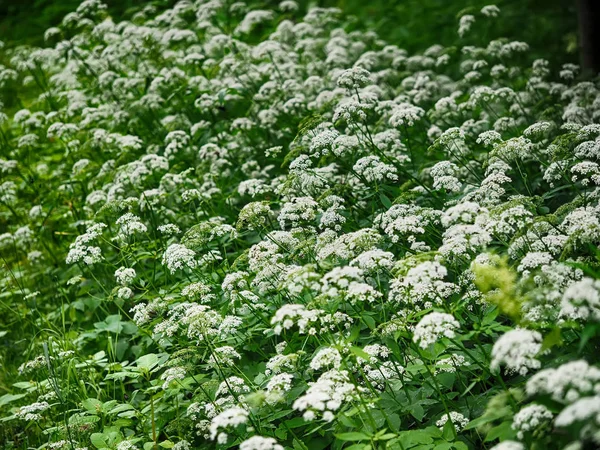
(588, 12)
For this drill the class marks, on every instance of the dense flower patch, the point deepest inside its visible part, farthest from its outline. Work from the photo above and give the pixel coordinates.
(226, 226)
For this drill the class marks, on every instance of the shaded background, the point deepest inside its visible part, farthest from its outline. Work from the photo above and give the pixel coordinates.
(549, 26)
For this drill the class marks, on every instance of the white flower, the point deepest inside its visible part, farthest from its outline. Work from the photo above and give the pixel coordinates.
(125, 275)
(32, 412)
(172, 374)
(297, 211)
(444, 176)
(354, 78)
(373, 170)
(490, 11)
(434, 326)
(81, 251)
(423, 286)
(130, 224)
(326, 357)
(326, 395)
(566, 383)
(458, 420)
(259, 442)
(406, 114)
(374, 261)
(465, 24)
(517, 350)
(124, 292)
(508, 445)
(126, 445)
(583, 409)
(581, 300)
(530, 418)
(230, 418)
(169, 229)
(278, 386)
(178, 257)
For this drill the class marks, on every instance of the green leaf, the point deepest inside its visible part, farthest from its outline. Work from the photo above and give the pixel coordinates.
(120, 408)
(279, 415)
(448, 431)
(417, 412)
(386, 436)
(504, 431)
(447, 379)
(488, 417)
(147, 362)
(414, 437)
(369, 321)
(78, 420)
(443, 446)
(490, 316)
(121, 375)
(385, 201)
(99, 440)
(360, 353)
(359, 447)
(347, 421)
(295, 422)
(552, 339)
(9, 398)
(352, 436)
(112, 324)
(92, 405)
(588, 332)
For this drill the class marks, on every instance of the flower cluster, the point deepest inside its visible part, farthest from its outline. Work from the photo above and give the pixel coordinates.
(261, 226)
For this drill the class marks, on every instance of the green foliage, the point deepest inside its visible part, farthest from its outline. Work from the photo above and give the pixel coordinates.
(298, 227)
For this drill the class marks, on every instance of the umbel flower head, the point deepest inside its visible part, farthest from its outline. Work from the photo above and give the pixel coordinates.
(433, 327)
(517, 350)
(178, 257)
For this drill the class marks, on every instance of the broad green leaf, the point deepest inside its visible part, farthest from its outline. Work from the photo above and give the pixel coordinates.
(9, 398)
(120, 408)
(444, 446)
(417, 412)
(147, 362)
(92, 405)
(99, 440)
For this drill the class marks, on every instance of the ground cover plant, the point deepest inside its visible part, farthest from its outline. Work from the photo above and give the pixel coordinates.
(229, 225)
